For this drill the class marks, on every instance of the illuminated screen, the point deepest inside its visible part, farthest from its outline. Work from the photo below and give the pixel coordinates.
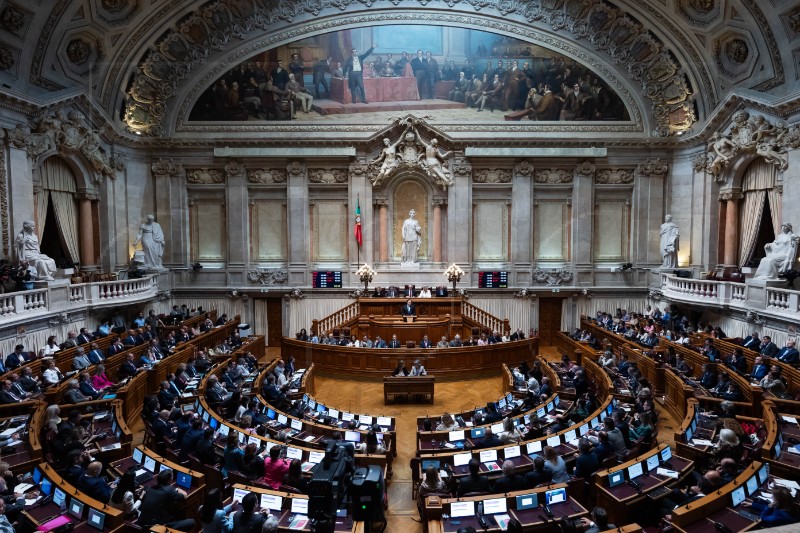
(652, 463)
(540, 412)
(752, 485)
(297, 424)
(477, 433)
(238, 494)
(347, 417)
(184, 480)
(555, 496)
(270, 501)
(96, 519)
(534, 447)
(76, 508)
(300, 505)
(46, 487)
(460, 459)
(294, 453)
(58, 496)
(488, 456)
(355, 436)
(550, 407)
(460, 509)
(666, 454)
(150, 464)
(554, 441)
(737, 496)
(527, 501)
(497, 428)
(763, 474)
(456, 435)
(570, 435)
(333, 413)
(511, 451)
(315, 457)
(616, 478)
(635, 470)
(583, 430)
(283, 419)
(137, 455)
(494, 506)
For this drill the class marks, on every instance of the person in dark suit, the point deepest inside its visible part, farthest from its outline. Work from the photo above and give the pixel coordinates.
(74, 394)
(95, 354)
(509, 481)
(128, 368)
(85, 336)
(490, 440)
(28, 382)
(622, 367)
(409, 309)
(205, 448)
(93, 485)
(752, 342)
(538, 475)
(622, 424)
(379, 343)
(425, 342)
(603, 449)
(759, 369)
(7, 396)
(116, 347)
(788, 354)
(354, 71)
(166, 400)
(15, 358)
(320, 68)
(161, 425)
(164, 504)
(709, 377)
(587, 463)
(86, 387)
(710, 482)
(394, 343)
(767, 347)
(401, 369)
(130, 340)
(474, 482)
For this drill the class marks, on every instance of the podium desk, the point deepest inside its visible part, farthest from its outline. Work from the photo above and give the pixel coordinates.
(408, 388)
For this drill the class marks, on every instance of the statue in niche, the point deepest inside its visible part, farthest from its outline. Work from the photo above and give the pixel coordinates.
(152, 238)
(412, 238)
(781, 254)
(28, 251)
(670, 243)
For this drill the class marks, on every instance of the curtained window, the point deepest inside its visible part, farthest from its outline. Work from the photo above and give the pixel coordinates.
(760, 217)
(56, 211)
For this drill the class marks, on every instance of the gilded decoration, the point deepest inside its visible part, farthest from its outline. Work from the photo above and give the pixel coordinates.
(204, 176)
(267, 175)
(553, 175)
(327, 175)
(492, 175)
(626, 40)
(409, 194)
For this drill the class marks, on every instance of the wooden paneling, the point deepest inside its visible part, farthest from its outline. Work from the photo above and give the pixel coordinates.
(549, 320)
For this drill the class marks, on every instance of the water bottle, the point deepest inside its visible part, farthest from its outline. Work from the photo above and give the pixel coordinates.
(63, 505)
(480, 508)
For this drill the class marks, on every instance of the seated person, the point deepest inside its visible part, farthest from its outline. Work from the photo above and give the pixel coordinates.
(510, 480)
(777, 513)
(418, 369)
(93, 485)
(447, 423)
(400, 369)
(788, 354)
(474, 482)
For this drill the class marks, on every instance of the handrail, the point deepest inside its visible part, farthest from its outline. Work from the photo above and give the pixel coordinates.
(476, 314)
(335, 319)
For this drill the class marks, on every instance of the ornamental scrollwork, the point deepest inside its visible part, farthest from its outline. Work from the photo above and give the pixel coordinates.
(295, 169)
(524, 168)
(615, 176)
(493, 175)
(653, 167)
(234, 168)
(553, 175)
(267, 175)
(700, 162)
(166, 167)
(552, 277)
(585, 169)
(327, 175)
(204, 176)
(268, 276)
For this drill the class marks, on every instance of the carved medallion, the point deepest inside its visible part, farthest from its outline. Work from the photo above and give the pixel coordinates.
(166, 167)
(12, 19)
(327, 175)
(204, 176)
(736, 50)
(493, 175)
(7, 60)
(114, 5)
(553, 175)
(614, 176)
(78, 51)
(551, 277)
(267, 175)
(653, 167)
(268, 276)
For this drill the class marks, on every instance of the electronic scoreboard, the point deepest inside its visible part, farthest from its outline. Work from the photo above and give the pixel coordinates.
(327, 280)
(493, 280)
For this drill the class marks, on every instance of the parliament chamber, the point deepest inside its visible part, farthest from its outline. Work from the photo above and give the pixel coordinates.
(412, 266)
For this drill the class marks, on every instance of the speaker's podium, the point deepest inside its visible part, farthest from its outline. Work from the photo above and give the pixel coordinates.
(411, 389)
(409, 318)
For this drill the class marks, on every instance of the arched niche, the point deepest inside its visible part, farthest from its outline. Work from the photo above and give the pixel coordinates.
(407, 191)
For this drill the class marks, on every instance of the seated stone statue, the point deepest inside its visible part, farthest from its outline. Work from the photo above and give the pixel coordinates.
(781, 254)
(27, 244)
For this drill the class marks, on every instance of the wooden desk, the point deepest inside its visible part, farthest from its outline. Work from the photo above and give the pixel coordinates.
(410, 388)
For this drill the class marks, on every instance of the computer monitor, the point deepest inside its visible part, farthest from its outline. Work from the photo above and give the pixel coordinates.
(58, 496)
(570, 435)
(137, 455)
(461, 459)
(584, 429)
(527, 501)
(283, 419)
(616, 478)
(737, 496)
(635, 470)
(238, 494)
(253, 439)
(652, 462)
(297, 424)
(37, 475)
(666, 454)
(510, 398)
(550, 406)
(554, 441)
(609, 409)
(534, 447)
(321, 408)
(347, 417)
(595, 421)
(183, 480)
(312, 404)
(333, 413)
(223, 430)
(456, 435)
(96, 519)
(271, 501)
(497, 428)
(557, 400)
(384, 421)
(555, 496)
(149, 464)
(693, 425)
(353, 436)
(214, 423)
(430, 462)
(477, 433)
(206, 416)
(315, 457)
(300, 505)
(462, 509)
(294, 453)
(305, 398)
(752, 485)
(46, 487)
(511, 452)
(540, 412)
(365, 419)
(501, 404)
(76, 508)
(689, 434)
(763, 474)
(271, 413)
(494, 506)
(488, 456)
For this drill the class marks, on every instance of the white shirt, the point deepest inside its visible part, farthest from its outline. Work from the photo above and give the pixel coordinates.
(51, 376)
(356, 64)
(50, 350)
(418, 371)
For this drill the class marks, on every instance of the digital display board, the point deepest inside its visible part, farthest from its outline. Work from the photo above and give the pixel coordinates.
(327, 280)
(493, 280)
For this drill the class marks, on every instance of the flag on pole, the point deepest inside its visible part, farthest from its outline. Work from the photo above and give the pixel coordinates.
(358, 222)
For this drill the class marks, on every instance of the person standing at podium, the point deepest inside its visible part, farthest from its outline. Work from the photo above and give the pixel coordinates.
(409, 309)
(418, 369)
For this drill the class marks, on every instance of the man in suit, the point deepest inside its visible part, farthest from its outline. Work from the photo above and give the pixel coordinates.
(752, 341)
(418, 68)
(425, 342)
(394, 343)
(710, 482)
(622, 424)
(320, 68)
(710, 350)
(85, 336)
(166, 400)
(788, 354)
(80, 361)
(547, 108)
(622, 367)
(116, 347)
(8, 394)
(767, 347)
(86, 387)
(587, 463)
(379, 343)
(474, 482)
(161, 425)
(603, 448)
(354, 71)
(72, 340)
(509, 481)
(129, 368)
(538, 475)
(409, 309)
(615, 437)
(130, 340)
(93, 485)
(709, 377)
(205, 449)
(95, 355)
(73, 394)
(280, 77)
(759, 369)
(401, 369)
(456, 342)
(15, 358)
(28, 382)
(165, 504)
(431, 73)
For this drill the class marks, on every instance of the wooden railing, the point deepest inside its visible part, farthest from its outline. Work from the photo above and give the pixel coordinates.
(483, 318)
(334, 320)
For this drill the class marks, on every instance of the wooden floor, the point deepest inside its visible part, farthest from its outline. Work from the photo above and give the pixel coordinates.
(366, 397)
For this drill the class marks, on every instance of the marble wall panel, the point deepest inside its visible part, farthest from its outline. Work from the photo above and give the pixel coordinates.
(209, 234)
(551, 231)
(490, 222)
(329, 228)
(611, 231)
(268, 230)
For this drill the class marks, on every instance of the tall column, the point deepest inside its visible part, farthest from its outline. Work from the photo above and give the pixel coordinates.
(297, 206)
(459, 214)
(383, 230)
(521, 227)
(732, 227)
(171, 211)
(648, 210)
(437, 230)
(582, 216)
(86, 229)
(238, 214)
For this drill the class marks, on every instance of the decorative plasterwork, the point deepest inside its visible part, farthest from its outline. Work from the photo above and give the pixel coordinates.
(327, 175)
(492, 175)
(234, 168)
(735, 54)
(67, 132)
(268, 276)
(552, 276)
(166, 167)
(524, 168)
(626, 42)
(751, 135)
(585, 169)
(700, 13)
(204, 176)
(4, 195)
(653, 167)
(295, 169)
(15, 19)
(553, 175)
(614, 176)
(267, 175)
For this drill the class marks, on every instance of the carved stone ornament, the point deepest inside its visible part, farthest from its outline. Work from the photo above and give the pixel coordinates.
(552, 276)
(267, 175)
(114, 5)
(553, 175)
(700, 162)
(6, 58)
(327, 175)
(4, 231)
(409, 150)
(752, 135)
(653, 167)
(204, 176)
(234, 168)
(296, 169)
(614, 176)
(12, 19)
(357, 169)
(492, 175)
(79, 51)
(166, 167)
(585, 169)
(269, 276)
(524, 168)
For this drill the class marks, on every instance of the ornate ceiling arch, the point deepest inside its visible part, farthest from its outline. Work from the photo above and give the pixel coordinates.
(665, 84)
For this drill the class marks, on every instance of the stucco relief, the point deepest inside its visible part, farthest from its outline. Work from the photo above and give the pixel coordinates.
(553, 175)
(327, 175)
(492, 175)
(614, 176)
(267, 175)
(204, 176)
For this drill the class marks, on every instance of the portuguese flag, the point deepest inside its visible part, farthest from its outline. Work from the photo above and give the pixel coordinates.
(357, 230)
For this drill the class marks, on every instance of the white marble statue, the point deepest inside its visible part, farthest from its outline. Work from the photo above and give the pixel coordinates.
(387, 159)
(412, 238)
(28, 250)
(670, 243)
(152, 237)
(435, 160)
(781, 254)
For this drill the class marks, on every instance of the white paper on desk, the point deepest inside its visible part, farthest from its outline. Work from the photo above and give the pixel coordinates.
(574, 442)
(502, 521)
(309, 438)
(790, 419)
(793, 449)
(11, 431)
(702, 442)
(788, 483)
(449, 445)
(668, 473)
(468, 424)
(115, 446)
(443, 474)
(186, 394)
(22, 487)
(624, 391)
